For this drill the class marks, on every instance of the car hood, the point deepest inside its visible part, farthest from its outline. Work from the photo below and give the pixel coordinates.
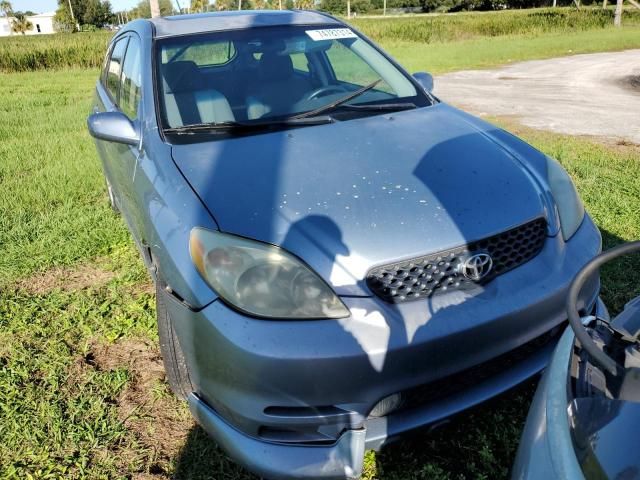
(351, 195)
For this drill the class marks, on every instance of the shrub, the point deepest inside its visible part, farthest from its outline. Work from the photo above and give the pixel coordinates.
(60, 50)
(87, 49)
(445, 28)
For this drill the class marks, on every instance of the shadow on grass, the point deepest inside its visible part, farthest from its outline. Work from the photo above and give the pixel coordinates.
(201, 458)
(478, 443)
(621, 277)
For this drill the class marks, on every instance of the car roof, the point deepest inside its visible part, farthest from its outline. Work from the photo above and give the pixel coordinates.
(234, 20)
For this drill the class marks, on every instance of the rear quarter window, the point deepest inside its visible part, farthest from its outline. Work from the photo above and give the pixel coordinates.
(114, 69)
(202, 54)
(300, 62)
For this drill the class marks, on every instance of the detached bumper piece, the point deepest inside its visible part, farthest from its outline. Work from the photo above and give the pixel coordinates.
(341, 460)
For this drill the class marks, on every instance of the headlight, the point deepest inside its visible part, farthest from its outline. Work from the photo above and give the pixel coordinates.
(570, 207)
(261, 279)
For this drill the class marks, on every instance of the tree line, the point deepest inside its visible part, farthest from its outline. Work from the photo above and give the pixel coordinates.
(74, 15)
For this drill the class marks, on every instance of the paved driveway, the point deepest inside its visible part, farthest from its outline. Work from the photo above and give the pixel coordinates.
(592, 94)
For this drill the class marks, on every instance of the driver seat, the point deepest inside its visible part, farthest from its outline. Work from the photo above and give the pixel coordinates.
(278, 87)
(187, 101)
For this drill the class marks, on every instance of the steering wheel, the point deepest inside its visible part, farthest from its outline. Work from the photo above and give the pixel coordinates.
(326, 90)
(604, 360)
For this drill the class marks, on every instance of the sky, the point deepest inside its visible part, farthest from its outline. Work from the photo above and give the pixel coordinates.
(41, 6)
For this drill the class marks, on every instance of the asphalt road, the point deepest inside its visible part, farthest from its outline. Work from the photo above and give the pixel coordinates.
(593, 94)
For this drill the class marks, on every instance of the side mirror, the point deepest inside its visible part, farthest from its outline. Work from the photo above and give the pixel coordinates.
(425, 79)
(113, 127)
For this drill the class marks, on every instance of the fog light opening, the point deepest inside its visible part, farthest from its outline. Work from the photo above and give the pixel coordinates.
(386, 406)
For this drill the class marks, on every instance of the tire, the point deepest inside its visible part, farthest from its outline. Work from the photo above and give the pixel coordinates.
(175, 365)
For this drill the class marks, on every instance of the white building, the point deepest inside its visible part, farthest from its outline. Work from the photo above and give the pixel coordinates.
(42, 24)
(5, 26)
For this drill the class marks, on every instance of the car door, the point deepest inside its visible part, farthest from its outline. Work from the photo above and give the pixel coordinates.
(126, 162)
(107, 92)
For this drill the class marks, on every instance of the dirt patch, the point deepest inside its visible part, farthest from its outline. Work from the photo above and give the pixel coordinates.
(141, 289)
(146, 406)
(622, 145)
(6, 341)
(74, 278)
(630, 82)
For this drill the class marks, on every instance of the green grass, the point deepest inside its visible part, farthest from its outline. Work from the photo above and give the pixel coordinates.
(494, 51)
(64, 413)
(44, 144)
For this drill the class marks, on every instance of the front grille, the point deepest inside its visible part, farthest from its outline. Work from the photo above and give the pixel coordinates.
(440, 272)
(458, 382)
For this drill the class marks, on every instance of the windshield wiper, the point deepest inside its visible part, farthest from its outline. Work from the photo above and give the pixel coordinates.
(381, 107)
(337, 103)
(249, 126)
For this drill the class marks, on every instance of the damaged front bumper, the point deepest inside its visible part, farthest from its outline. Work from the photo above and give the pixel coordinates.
(276, 461)
(344, 458)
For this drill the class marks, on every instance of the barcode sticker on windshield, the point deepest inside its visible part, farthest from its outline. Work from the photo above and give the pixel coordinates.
(331, 34)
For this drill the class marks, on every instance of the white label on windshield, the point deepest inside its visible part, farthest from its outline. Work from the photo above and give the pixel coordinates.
(331, 34)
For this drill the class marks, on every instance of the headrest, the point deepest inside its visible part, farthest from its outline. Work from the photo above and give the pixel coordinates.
(180, 76)
(275, 67)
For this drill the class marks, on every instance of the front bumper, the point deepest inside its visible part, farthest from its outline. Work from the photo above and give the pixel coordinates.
(344, 458)
(291, 399)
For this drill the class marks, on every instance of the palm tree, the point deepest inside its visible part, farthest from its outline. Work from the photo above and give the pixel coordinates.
(21, 24)
(199, 5)
(7, 10)
(154, 7)
(617, 19)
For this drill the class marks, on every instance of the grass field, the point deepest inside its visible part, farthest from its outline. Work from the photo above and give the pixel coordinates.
(81, 385)
(474, 25)
(493, 51)
(434, 42)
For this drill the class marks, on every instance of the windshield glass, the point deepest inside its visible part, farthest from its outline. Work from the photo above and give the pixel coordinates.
(273, 73)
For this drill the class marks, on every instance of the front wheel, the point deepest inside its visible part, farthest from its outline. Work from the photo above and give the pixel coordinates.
(175, 365)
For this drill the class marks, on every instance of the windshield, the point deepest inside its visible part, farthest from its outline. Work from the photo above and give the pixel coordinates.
(268, 74)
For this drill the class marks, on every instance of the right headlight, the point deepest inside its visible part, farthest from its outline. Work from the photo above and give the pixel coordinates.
(261, 279)
(570, 207)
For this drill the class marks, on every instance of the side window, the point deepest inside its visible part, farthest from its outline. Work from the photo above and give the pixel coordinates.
(348, 67)
(130, 91)
(114, 67)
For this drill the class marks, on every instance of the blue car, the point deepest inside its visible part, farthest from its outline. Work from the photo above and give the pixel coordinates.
(339, 256)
